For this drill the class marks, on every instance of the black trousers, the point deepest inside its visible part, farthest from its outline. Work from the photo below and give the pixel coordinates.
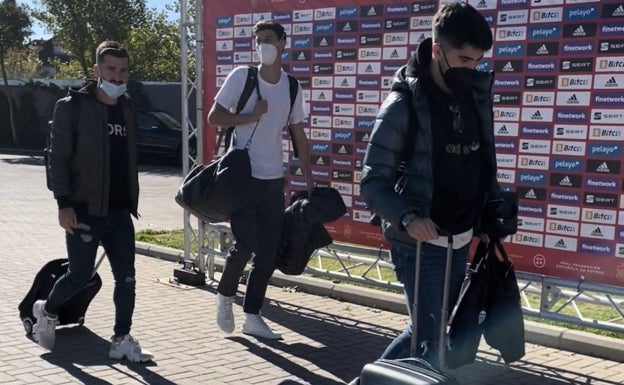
(257, 231)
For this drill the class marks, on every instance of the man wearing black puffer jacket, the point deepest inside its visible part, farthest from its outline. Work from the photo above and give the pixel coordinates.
(440, 110)
(93, 175)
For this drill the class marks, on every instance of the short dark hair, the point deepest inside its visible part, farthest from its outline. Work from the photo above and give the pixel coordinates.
(459, 24)
(270, 25)
(110, 47)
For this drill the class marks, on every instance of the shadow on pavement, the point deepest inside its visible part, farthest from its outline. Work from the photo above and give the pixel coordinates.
(356, 343)
(78, 347)
(283, 363)
(335, 338)
(521, 372)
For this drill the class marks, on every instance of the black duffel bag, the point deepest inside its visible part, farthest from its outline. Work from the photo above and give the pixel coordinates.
(213, 192)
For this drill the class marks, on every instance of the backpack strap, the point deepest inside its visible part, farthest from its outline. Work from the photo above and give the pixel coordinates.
(293, 85)
(250, 83)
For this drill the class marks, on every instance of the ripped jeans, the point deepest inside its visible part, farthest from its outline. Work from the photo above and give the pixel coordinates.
(116, 233)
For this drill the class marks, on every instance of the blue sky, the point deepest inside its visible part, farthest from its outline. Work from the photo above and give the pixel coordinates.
(40, 33)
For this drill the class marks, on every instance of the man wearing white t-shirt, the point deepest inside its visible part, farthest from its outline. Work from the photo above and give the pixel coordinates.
(257, 228)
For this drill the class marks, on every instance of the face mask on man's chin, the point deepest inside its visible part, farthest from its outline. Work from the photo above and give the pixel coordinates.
(113, 91)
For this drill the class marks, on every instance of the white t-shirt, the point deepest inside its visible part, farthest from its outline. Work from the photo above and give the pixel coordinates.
(265, 150)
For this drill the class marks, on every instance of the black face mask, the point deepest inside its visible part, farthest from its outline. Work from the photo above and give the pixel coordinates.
(459, 79)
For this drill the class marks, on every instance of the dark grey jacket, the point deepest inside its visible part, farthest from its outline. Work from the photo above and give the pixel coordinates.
(395, 117)
(79, 156)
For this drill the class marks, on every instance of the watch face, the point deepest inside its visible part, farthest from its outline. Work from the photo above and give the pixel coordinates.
(408, 218)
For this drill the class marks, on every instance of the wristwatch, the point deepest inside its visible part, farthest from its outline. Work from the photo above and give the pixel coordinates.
(408, 218)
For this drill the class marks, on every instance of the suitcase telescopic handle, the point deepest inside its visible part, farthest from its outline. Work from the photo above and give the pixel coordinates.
(445, 301)
(98, 263)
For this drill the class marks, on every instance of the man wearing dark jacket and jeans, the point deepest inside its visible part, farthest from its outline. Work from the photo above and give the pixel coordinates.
(440, 110)
(93, 175)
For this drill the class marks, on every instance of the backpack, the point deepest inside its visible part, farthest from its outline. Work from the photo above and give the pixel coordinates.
(75, 110)
(225, 133)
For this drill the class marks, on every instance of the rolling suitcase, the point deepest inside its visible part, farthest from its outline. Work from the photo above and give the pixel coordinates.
(416, 371)
(74, 309)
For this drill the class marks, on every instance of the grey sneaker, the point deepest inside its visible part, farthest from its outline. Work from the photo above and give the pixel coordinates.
(44, 329)
(130, 349)
(254, 325)
(225, 315)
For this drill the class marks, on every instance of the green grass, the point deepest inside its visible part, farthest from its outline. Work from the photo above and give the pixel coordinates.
(175, 239)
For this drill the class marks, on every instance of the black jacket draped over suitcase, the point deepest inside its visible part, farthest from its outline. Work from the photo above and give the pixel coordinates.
(303, 230)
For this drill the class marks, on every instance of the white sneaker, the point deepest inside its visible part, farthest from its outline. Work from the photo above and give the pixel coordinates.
(254, 325)
(130, 349)
(225, 315)
(44, 329)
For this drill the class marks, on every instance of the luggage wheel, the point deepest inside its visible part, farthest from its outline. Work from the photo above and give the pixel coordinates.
(28, 325)
(81, 321)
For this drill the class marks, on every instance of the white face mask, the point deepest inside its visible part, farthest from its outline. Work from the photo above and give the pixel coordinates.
(267, 53)
(112, 90)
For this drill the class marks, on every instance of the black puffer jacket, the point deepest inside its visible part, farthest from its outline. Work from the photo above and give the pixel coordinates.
(395, 117)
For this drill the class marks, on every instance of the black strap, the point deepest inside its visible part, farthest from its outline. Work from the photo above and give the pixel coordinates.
(250, 83)
(294, 88)
(408, 145)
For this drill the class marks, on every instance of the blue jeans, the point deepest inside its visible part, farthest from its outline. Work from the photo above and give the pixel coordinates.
(432, 265)
(116, 233)
(257, 231)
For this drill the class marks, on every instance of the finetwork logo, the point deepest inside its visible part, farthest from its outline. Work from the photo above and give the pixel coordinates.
(579, 48)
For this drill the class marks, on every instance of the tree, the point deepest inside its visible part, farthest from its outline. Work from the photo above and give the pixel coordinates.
(80, 25)
(154, 48)
(22, 63)
(14, 29)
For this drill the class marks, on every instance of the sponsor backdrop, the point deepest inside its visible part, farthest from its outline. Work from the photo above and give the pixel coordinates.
(558, 107)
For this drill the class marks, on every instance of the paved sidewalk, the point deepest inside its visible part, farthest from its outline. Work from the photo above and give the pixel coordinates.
(325, 341)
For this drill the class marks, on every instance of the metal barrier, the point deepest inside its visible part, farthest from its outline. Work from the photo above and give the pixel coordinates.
(557, 299)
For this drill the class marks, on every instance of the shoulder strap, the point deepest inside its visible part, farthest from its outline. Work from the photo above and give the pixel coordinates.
(250, 84)
(293, 85)
(294, 88)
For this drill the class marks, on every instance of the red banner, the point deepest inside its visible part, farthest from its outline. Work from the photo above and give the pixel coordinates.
(558, 107)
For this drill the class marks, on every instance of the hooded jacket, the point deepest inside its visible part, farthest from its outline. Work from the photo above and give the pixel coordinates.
(407, 108)
(80, 155)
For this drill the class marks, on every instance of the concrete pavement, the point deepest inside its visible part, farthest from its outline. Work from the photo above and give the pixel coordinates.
(326, 341)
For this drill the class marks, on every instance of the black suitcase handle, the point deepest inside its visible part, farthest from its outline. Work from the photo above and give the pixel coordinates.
(445, 302)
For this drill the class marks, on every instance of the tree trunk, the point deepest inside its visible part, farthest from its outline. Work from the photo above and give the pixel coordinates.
(5, 76)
